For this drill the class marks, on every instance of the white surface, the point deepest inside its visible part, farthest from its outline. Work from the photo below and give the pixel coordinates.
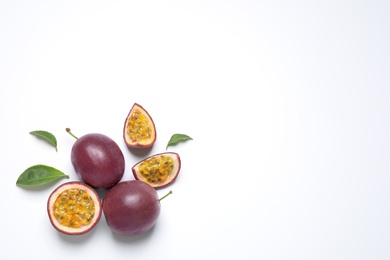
(287, 103)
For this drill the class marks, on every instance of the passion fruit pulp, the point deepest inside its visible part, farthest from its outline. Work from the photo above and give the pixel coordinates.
(74, 208)
(158, 170)
(139, 130)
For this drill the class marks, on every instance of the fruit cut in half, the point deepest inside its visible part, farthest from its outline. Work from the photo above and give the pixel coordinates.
(74, 208)
(139, 130)
(158, 170)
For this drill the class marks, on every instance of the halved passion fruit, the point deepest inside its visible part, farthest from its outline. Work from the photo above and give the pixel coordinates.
(139, 130)
(74, 208)
(158, 170)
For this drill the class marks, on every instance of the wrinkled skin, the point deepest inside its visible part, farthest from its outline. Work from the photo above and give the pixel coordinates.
(131, 207)
(98, 160)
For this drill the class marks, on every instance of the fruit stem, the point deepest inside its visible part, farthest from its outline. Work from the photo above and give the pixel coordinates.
(166, 195)
(68, 130)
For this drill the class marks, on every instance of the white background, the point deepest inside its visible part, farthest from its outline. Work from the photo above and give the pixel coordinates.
(287, 103)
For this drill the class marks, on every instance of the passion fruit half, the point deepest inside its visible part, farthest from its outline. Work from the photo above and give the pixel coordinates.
(74, 208)
(158, 170)
(139, 130)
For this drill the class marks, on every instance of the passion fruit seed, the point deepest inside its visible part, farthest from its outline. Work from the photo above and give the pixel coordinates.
(157, 169)
(138, 126)
(74, 208)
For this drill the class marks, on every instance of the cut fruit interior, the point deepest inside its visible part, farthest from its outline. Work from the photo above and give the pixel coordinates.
(74, 208)
(158, 170)
(139, 129)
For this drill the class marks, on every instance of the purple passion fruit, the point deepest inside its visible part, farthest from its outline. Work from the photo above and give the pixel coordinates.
(139, 130)
(158, 170)
(131, 207)
(97, 160)
(74, 208)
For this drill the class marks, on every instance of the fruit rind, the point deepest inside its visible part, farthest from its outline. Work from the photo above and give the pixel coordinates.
(131, 208)
(143, 142)
(68, 230)
(169, 179)
(98, 160)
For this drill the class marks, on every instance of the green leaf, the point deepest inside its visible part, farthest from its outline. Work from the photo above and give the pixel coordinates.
(39, 175)
(49, 137)
(176, 138)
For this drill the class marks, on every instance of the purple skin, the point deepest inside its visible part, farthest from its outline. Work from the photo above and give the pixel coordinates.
(131, 207)
(98, 161)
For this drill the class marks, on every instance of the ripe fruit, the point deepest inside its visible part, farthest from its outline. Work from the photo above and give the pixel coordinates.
(74, 208)
(158, 170)
(139, 130)
(131, 207)
(97, 160)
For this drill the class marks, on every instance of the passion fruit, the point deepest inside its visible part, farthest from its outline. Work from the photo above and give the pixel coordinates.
(139, 130)
(158, 170)
(131, 207)
(74, 208)
(97, 160)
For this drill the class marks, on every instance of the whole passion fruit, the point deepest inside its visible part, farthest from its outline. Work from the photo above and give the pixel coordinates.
(131, 207)
(139, 130)
(97, 160)
(74, 208)
(158, 170)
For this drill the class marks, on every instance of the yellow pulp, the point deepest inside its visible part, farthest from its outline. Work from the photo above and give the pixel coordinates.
(138, 126)
(74, 208)
(157, 169)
